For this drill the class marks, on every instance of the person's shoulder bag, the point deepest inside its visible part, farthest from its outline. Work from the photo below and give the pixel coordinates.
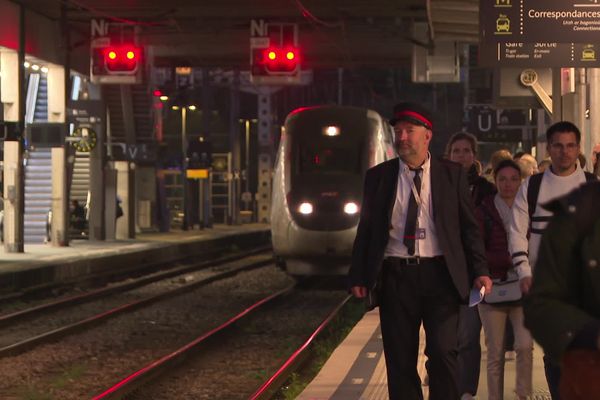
(505, 290)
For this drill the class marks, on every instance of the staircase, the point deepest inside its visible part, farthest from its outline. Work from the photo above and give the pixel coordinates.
(142, 113)
(80, 181)
(40, 113)
(38, 194)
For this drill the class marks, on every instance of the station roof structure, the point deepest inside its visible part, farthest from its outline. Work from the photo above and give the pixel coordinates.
(332, 33)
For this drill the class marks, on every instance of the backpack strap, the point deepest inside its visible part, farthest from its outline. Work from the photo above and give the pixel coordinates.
(533, 191)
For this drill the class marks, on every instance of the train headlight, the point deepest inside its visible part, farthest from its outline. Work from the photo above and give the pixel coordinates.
(305, 208)
(331, 130)
(351, 208)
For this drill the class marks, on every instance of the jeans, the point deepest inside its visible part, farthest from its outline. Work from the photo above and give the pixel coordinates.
(494, 320)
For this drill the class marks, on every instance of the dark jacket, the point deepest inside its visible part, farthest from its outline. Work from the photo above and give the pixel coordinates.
(563, 308)
(495, 238)
(479, 186)
(457, 229)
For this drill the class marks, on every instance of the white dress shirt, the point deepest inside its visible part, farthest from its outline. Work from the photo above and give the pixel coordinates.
(428, 247)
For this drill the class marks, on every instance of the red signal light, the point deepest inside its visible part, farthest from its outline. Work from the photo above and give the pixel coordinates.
(272, 55)
(157, 93)
(290, 55)
(122, 59)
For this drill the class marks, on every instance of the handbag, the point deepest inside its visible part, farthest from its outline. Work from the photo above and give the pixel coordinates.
(505, 290)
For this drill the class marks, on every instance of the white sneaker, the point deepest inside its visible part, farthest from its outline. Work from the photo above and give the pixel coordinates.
(467, 396)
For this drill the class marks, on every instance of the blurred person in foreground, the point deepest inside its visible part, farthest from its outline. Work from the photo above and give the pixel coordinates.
(563, 308)
(419, 249)
(494, 215)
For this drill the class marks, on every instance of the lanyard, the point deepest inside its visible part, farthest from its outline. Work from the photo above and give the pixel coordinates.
(418, 200)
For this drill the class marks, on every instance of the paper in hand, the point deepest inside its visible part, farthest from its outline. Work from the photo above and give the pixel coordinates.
(476, 296)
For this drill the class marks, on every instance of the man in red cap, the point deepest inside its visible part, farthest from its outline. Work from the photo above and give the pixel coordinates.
(419, 249)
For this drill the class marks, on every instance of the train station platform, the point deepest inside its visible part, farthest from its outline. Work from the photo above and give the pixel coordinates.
(44, 265)
(356, 369)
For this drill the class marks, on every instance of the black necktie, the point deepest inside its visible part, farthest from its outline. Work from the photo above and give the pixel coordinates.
(410, 229)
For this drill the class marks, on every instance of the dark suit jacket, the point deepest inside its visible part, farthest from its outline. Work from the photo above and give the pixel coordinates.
(457, 230)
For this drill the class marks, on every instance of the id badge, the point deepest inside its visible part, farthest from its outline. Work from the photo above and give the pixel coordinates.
(420, 234)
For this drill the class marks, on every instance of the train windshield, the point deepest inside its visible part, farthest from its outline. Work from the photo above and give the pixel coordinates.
(329, 159)
(316, 152)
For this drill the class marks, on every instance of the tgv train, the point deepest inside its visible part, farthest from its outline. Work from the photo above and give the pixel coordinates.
(322, 158)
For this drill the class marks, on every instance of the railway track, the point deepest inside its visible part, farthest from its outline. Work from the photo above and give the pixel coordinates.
(17, 327)
(82, 365)
(232, 344)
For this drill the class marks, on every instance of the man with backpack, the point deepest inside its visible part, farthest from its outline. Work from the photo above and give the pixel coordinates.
(529, 217)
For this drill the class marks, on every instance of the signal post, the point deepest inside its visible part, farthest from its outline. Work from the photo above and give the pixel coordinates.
(275, 60)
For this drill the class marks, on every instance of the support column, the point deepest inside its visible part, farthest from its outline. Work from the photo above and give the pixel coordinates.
(541, 135)
(110, 200)
(556, 95)
(60, 215)
(97, 223)
(10, 93)
(126, 193)
(265, 156)
(56, 93)
(13, 197)
(234, 140)
(205, 122)
(579, 115)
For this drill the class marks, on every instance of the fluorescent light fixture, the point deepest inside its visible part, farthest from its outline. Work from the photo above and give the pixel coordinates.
(192, 108)
(35, 67)
(164, 98)
(175, 108)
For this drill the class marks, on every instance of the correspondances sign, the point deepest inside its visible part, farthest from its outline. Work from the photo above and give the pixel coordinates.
(562, 21)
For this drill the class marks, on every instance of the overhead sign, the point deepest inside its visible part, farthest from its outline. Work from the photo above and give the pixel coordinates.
(541, 54)
(563, 21)
(483, 123)
(482, 120)
(139, 152)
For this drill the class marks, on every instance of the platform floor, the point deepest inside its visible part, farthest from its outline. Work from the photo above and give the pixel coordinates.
(356, 369)
(36, 254)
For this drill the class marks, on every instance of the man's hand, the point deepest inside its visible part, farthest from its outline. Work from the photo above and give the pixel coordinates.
(525, 284)
(483, 281)
(359, 292)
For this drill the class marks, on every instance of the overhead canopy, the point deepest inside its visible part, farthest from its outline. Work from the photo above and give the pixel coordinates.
(216, 33)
